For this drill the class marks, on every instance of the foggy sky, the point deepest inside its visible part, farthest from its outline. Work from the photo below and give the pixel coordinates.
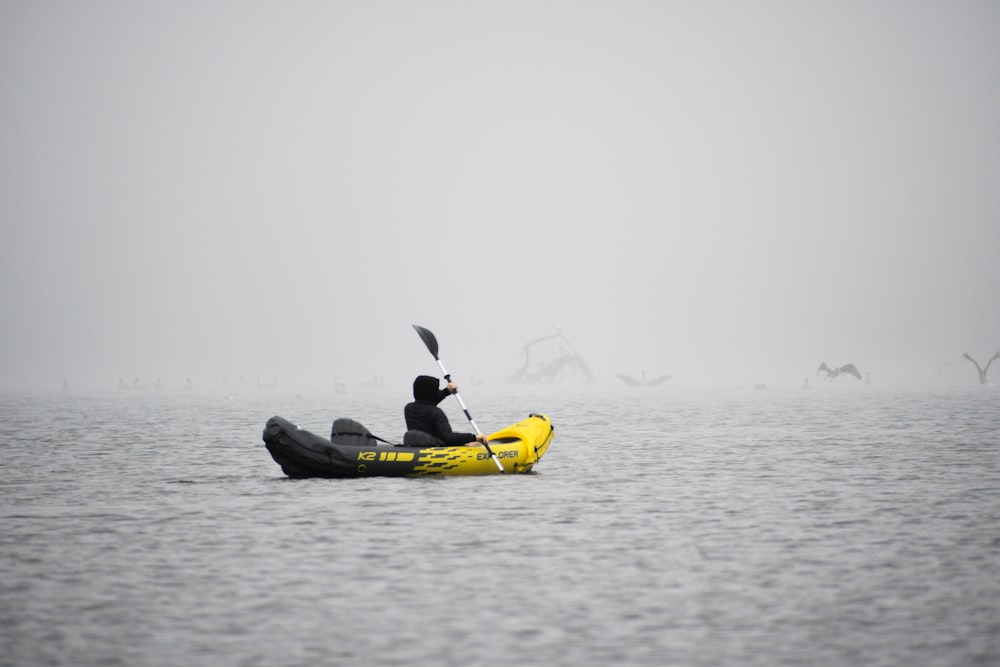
(722, 190)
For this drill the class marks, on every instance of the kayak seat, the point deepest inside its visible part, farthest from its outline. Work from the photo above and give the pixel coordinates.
(414, 438)
(350, 432)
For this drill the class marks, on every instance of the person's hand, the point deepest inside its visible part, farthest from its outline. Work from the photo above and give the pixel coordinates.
(481, 440)
(452, 387)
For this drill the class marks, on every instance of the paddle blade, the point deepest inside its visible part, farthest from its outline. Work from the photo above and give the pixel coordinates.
(429, 340)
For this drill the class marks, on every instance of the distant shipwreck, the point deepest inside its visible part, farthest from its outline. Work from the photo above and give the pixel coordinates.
(551, 359)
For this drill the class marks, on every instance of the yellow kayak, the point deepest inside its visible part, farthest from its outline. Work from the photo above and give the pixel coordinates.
(352, 451)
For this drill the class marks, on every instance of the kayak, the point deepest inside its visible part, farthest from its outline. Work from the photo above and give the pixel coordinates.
(352, 451)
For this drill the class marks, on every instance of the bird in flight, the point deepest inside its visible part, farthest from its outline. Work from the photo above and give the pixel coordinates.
(982, 371)
(832, 373)
(632, 382)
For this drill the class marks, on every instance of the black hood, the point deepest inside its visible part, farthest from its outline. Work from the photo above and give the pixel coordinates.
(425, 388)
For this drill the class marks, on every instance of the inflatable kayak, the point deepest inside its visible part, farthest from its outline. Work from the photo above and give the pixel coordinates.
(352, 451)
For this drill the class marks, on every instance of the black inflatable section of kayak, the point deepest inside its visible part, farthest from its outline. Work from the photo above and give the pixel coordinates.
(301, 453)
(353, 451)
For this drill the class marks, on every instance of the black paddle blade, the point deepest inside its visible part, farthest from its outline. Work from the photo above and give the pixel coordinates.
(429, 340)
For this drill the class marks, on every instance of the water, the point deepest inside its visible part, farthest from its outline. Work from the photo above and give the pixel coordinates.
(820, 527)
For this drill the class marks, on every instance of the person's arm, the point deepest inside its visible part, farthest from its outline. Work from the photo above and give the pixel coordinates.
(443, 431)
(450, 388)
(443, 394)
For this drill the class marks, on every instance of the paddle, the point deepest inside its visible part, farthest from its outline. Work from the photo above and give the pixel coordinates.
(432, 345)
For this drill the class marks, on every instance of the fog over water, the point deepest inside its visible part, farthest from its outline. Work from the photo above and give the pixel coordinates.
(725, 192)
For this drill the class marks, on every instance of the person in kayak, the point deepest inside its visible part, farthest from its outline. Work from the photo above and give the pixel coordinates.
(423, 414)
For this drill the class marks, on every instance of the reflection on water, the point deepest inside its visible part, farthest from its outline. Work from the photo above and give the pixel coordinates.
(749, 528)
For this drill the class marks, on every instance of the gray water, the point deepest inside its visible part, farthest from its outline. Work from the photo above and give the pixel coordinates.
(820, 527)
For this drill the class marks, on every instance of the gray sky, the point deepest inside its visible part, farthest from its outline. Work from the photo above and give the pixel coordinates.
(719, 190)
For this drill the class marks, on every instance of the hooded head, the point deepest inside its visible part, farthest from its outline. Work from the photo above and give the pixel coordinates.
(425, 388)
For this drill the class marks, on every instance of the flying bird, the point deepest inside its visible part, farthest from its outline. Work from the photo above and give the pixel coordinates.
(832, 373)
(982, 371)
(632, 382)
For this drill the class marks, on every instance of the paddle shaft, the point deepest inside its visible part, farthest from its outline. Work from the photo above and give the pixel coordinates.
(486, 444)
(432, 346)
(472, 421)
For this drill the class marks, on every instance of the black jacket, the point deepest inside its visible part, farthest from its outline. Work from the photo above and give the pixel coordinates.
(424, 415)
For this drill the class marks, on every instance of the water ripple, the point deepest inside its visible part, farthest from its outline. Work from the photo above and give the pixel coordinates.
(762, 528)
